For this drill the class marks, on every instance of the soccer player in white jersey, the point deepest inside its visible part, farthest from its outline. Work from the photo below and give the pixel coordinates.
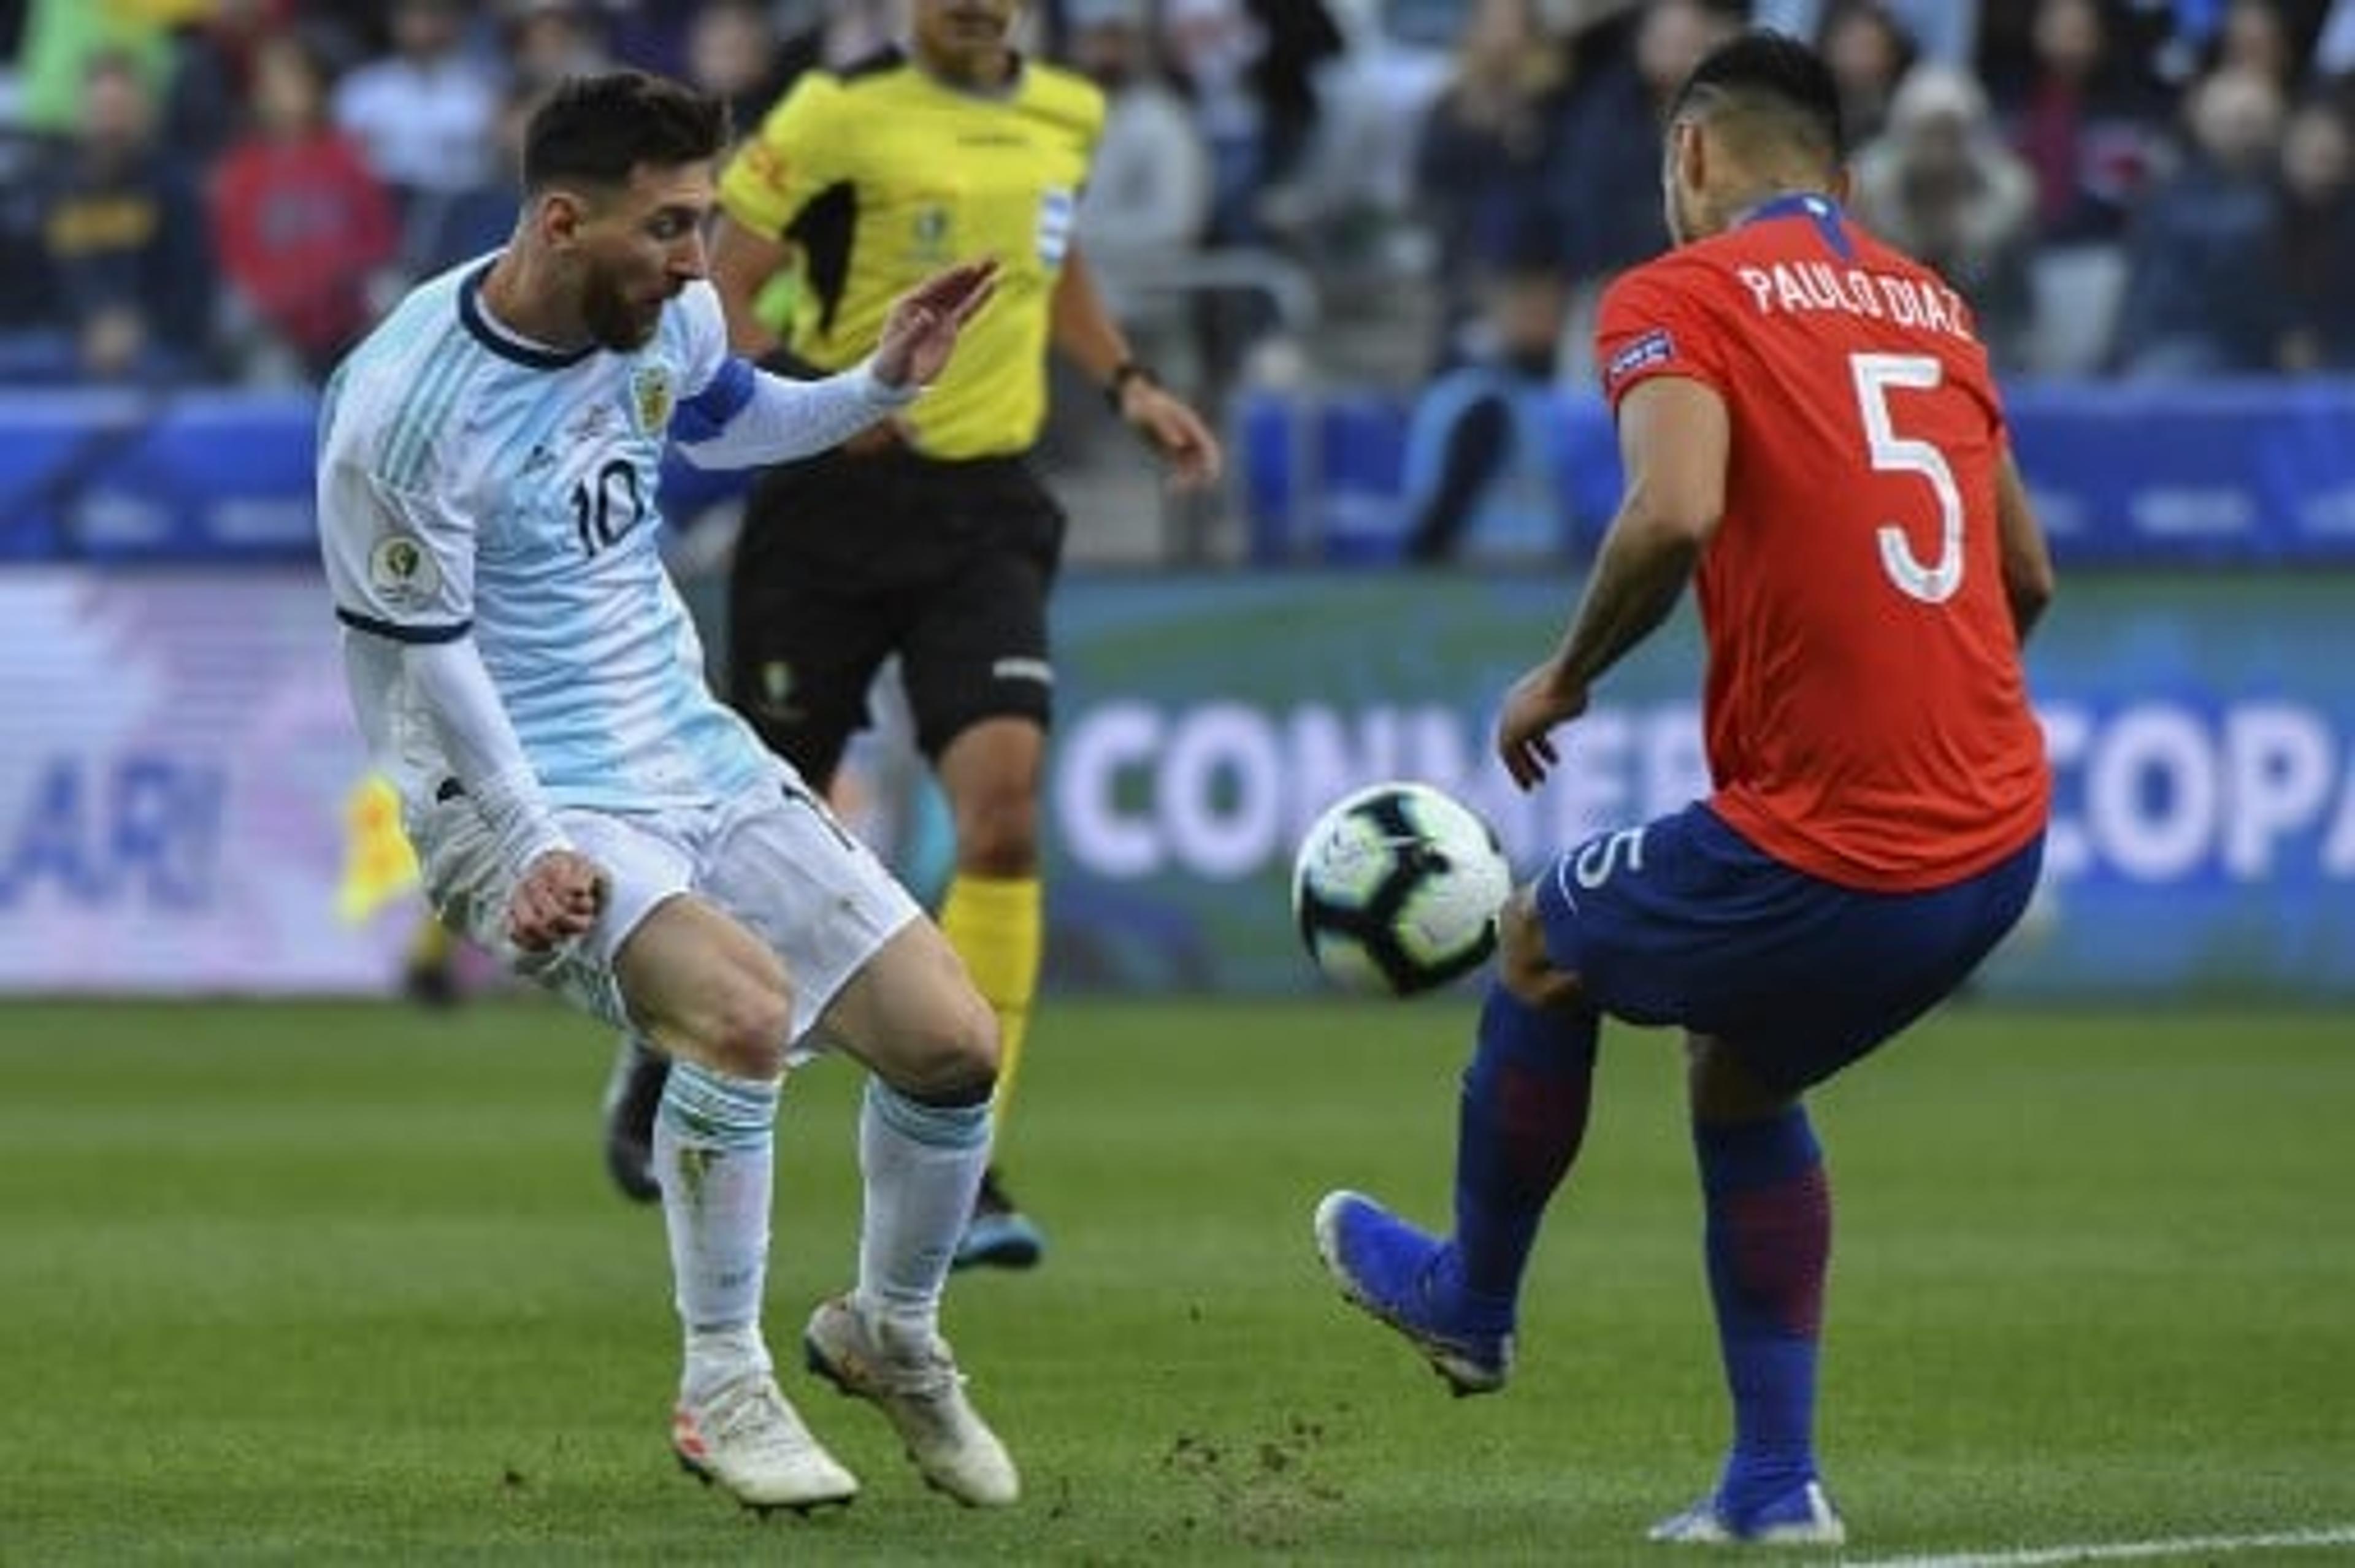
(581, 806)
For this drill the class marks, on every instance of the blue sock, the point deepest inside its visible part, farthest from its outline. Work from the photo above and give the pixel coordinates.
(1521, 1120)
(1769, 1241)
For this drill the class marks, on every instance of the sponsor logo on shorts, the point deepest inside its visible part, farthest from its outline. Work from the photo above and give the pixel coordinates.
(1036, 671)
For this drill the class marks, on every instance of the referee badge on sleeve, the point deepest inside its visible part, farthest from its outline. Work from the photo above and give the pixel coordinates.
(1057, 210)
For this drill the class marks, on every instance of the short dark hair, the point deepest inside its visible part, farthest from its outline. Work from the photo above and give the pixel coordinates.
(1775, 79)
(598, 128)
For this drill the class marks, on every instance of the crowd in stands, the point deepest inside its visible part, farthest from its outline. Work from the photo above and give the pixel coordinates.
(229, 190)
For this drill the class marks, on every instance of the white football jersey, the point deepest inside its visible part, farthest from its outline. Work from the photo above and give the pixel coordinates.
(473, 484)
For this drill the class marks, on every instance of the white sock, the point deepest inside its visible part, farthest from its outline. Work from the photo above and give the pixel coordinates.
(922, 1165)
(715, 1150)
(716, 1357)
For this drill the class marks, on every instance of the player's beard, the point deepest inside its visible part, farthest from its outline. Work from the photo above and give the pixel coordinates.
(615, 320)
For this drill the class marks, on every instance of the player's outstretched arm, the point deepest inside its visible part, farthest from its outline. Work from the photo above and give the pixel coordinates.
(922, 331)
(1674, 439)
(745, 417)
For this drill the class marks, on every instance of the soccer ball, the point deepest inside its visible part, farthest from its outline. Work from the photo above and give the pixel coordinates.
(1396, 889)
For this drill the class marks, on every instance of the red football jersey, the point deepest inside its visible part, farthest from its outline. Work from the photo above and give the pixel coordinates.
(1867, 719)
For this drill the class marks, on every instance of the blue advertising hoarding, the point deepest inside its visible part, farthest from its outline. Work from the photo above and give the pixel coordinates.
(2258, 472)
(181, 806)
(2253, 473)
(2202, 733)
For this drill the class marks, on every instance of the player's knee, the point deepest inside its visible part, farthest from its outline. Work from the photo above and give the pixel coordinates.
(949, 1056)
(1524, 966)
(990, 771)
(997, 832)
(746, 1030)
(1721, 1087)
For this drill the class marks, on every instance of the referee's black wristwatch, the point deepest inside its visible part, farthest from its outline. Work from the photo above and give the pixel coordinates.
(1117, 384)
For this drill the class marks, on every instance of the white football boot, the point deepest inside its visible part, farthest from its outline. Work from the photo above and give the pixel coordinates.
(920, 1391)
(1803, 1517)
(745, 1437)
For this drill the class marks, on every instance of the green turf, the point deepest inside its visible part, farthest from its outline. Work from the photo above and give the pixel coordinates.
(345, 1284)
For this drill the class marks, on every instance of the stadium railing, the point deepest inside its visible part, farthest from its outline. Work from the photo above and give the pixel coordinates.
(2258, 472)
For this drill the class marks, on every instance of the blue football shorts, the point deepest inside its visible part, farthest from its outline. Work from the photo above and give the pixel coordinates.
(1683, 921)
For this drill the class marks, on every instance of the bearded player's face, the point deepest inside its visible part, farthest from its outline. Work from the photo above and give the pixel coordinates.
(642, 246)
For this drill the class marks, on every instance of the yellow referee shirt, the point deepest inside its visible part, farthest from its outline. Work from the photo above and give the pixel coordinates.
(879, 175)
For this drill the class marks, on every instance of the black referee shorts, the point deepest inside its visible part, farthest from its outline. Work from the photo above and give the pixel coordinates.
(846, 561)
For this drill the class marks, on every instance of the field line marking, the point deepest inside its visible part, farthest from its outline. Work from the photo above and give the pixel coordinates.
(2121, 1552)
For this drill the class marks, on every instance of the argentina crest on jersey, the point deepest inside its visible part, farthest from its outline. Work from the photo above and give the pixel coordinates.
(653, 394)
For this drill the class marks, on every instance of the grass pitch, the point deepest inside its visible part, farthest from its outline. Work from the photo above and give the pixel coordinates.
(338, 1283)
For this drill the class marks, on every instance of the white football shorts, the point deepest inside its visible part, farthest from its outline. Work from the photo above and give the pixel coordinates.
(774, 858)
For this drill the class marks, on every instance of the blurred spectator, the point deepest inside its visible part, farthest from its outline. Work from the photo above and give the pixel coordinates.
(732, 51)
(2318, 236)
(1249, 68)
(1611, 158)
(302, 225)
(1142, 219)
(124, 235)
(1297, 39)
(549, 40)
(2085, 119)
(2334, 49)
(1482, 476)
(2207, 239)
(1147, 203)
(2276, 38)
(2254, 35)
(1943, 30)
(423, 115)
(1212, 45)
(836, 33)
(651, 34)
(448, 228)
(30, 345)
(1941, 184)
(212, 72)
(62, 37)
(1489, 156)
(808, 35)
(1869, 52)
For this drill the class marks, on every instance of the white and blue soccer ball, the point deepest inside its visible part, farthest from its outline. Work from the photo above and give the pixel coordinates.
(1396, 889)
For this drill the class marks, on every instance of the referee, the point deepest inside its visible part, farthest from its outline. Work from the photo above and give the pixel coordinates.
(931, 539)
